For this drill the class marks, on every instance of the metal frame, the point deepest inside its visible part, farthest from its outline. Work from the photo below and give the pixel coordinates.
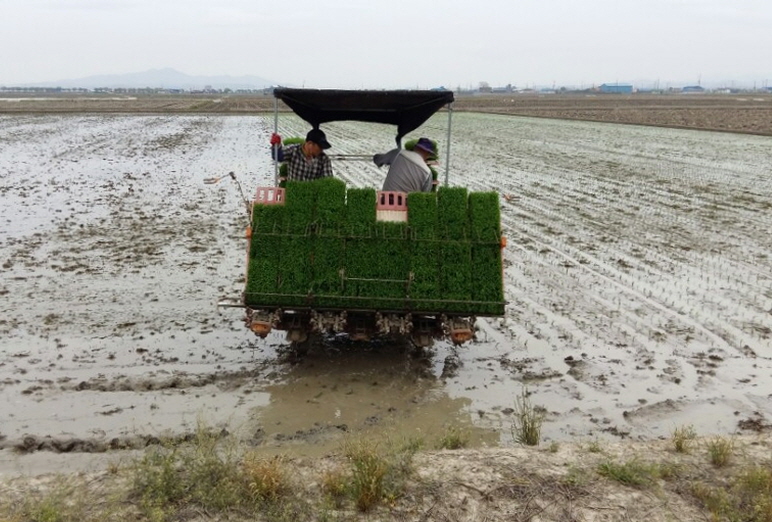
(359, 157)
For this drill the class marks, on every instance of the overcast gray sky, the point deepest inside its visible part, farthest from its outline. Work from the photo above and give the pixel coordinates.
(396, 44)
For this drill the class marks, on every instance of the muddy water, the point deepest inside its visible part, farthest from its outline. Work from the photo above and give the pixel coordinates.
(115, 254)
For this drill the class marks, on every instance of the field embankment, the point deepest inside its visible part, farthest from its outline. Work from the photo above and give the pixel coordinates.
(744, 113)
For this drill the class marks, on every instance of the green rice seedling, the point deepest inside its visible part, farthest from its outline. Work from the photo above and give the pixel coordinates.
(299, 207)
(456, 275)
(267, 219)
(422, 215)
(391, 260)
(720, 450)
(425, 268)
(453, 438)
(328, 261)
(554, 447)
(455, 249)
(453, 215)
(293, 140)
(487, 280)
(294, 281)
(631, 473)
(683, 437)
(330, 206)
(360, 212)
(485, 217)
(265, 244)
(362, 268)
(526, 428)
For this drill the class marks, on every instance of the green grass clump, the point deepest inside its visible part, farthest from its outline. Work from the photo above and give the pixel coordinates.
(526, 428)
(377, 473)
(683, 438)
(631, 473)
(453, 438)
(748, 497)
(720, 450)
(202, 473)
(265, 478)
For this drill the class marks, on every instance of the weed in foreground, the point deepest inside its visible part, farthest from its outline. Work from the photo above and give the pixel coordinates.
(631, 473)
(720, 450)
(748, 497)
(204, 472)
(208, 473)
(266, 478)
(334, 483)
(453, 438)
(526, 428)
(594, 446)
(683, 438)
(377, 474)
(63, 500)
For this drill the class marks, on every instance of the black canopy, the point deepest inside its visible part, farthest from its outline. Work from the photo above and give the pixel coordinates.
(407, 109)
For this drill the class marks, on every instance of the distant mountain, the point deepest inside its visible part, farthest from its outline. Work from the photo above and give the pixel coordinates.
(161, 78)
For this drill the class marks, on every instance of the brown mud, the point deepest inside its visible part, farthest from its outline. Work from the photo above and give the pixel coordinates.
(115, 254)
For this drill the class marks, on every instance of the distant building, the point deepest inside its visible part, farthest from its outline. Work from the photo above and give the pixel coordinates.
(691, 89)
(616, 88)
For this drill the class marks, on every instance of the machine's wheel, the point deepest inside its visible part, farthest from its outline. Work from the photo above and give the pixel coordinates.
(300, 348)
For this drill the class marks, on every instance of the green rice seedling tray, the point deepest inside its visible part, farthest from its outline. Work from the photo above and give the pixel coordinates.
(324, 249)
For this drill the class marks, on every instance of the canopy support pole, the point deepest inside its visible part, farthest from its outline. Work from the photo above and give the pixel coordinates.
(447, 143)
(275, 147)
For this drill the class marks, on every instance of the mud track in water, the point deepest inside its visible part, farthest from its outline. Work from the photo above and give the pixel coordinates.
(637, 273)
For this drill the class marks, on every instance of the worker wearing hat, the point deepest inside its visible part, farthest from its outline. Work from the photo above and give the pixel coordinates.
(305, 161)
(408, 169)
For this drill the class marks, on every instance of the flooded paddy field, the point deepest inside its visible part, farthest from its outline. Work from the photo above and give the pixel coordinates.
(637, 273)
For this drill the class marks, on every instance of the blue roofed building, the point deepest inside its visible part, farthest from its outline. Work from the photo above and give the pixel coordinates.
(616, 88)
